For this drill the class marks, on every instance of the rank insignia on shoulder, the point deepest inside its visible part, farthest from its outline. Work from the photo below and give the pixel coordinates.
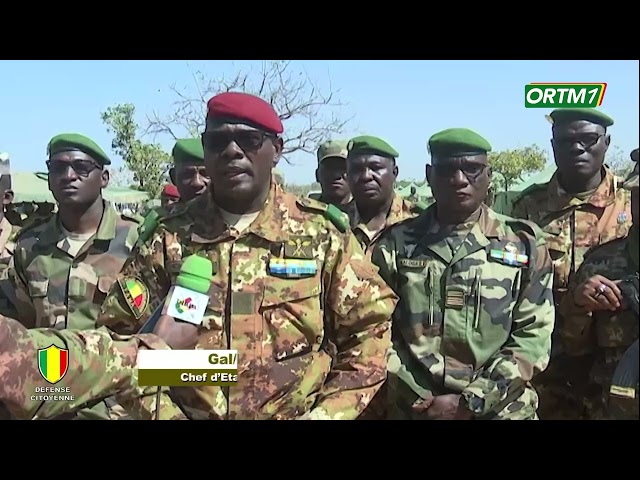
(136, 294)
(509, 256)
(292, 268)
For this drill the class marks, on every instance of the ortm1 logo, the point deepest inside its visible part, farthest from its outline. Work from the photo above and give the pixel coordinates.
(564, 95)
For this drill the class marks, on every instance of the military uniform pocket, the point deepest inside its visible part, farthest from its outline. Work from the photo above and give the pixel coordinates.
(293, 317)
(38, 291)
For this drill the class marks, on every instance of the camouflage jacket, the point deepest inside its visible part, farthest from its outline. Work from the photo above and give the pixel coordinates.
(400, 210)
(572, 225)
(311, 347)
(474, 320)
(604, 335)
(8, 234)
(53, 289)
(99, 364)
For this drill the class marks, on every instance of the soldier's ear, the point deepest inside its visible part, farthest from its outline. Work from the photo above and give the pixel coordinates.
(105, 178)
(172, 175)
(278, 146)
(7, 198)
(427, 171)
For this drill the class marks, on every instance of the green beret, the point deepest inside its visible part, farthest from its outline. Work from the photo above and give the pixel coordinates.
(74, 141)
(631, 181)
(332, 148)
(458, 142)
(188, 150)
(371, 145)
(588, 114)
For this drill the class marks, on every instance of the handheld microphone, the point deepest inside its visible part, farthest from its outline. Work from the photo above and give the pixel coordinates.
(188, 298)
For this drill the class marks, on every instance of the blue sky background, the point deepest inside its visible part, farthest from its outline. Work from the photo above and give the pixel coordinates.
(403, 102)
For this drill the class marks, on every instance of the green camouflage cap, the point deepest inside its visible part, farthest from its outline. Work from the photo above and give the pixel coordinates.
(457, 142)
(188, 150)
(371, 145)
(74, 141)
(332, 148)
(563, 115)
(631, 181)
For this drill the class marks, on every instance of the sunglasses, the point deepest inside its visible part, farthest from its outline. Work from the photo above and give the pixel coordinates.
(470, 170)
(586, 140)
(247, 140)
(82, 167)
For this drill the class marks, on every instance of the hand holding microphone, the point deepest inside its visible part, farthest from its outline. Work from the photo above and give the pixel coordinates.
(176, 320)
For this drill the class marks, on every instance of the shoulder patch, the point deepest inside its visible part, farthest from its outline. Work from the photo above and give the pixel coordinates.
(136, 294)
(331, 212)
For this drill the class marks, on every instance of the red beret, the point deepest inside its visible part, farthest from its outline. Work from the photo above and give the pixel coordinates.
(249, 108)
(170, 191)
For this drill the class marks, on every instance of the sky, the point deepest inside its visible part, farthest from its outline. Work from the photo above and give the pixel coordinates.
(403, 102)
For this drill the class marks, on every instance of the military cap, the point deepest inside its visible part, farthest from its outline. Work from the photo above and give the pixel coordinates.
(457, 142)
(588, 114)
(188, 150)
(170, 190)
(333, 148)
(247, 108)
(371, 145)
(66, 142)
(631, 181)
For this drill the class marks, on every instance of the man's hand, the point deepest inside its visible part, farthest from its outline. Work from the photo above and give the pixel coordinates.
(178, 335)
(447, 407)
(598, 293)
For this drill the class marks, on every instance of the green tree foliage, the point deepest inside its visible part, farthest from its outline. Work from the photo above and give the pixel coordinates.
(510, 166)
(147, 163)
(619, 161)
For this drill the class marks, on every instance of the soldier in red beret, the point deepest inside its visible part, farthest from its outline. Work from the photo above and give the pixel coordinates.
(292, 290)
(169, 195)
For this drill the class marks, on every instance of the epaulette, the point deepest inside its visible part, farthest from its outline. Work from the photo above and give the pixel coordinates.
(331, 212)
(30, 224)
(148, 225)
(519, 224)
(528, 190)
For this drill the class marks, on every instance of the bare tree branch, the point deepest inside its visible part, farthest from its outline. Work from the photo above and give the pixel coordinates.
(310, 115)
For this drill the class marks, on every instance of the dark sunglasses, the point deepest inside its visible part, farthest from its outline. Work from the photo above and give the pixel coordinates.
(249, 140)
(470, 170)
(586, 140)
(81, 167)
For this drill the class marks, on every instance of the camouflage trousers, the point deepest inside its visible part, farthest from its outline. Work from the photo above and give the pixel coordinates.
(377, 408)
(562, 387)
(402, 403)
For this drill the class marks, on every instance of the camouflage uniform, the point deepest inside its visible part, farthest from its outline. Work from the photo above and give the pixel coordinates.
(573, 226)
(468, 322)
(400, 210)
(311, 347)
(100, 364)
(602, 337)
(54, 289)
(8, 234)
